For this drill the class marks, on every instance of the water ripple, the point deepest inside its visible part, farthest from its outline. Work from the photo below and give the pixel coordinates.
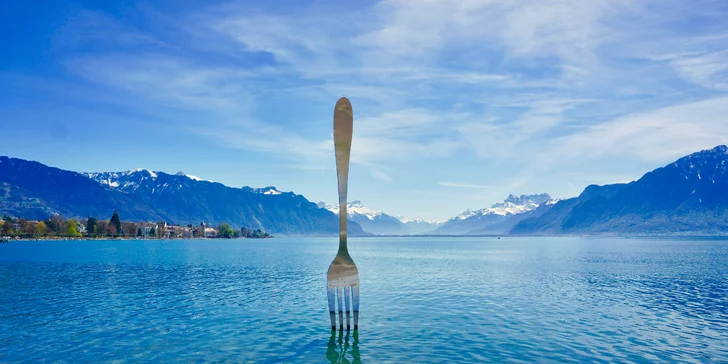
(423, 300)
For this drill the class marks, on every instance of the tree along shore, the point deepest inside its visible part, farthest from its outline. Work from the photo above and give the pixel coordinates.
(58, 227)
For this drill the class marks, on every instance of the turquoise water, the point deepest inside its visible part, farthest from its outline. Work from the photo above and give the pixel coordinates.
(422, 300)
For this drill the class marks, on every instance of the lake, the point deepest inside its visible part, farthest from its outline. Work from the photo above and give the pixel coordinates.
(422, 300)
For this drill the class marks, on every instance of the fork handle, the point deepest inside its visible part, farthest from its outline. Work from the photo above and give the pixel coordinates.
(343, 129)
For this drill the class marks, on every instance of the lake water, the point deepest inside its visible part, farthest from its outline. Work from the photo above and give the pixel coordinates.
(422, 300)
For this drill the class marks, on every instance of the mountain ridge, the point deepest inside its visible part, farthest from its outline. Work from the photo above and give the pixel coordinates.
(33, 190)
(687, 196)
(496, 219)
(380, 223)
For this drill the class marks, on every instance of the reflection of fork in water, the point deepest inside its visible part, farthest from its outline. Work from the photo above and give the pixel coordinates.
(339, 347)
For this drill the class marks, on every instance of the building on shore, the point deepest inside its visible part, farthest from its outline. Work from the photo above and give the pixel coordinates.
(199, 232)
(146, 228)
(162, 230)
(176, 231)
(210, 233)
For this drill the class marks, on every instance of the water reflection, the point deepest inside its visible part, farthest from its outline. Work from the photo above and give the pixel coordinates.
(339, 347)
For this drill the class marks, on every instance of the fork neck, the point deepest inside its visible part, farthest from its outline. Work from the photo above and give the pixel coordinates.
(342, 226)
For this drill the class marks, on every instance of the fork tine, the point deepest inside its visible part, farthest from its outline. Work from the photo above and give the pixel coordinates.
(355, 304)
(341, 307)
(346, 303)
(332, 306)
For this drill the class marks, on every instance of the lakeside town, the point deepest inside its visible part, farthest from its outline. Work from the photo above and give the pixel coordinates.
(58, 227)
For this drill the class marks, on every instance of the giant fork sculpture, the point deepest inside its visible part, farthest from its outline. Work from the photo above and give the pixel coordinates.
(343, 277)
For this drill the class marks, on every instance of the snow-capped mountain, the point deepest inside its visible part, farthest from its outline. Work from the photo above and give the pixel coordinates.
(356, 208)
(183, 198)
(128, 180)
(465, 215)
(517, 204)
(132, 180)
(270, 190)
(194, 178)
(371, 221)
(378, 222)
(688, 196)
(498, 218)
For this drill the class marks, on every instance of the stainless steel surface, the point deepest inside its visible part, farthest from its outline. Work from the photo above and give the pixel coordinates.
(343, 277)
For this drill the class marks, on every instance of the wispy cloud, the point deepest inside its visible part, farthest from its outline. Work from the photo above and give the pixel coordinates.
(707, 69)
(392, 61)
(526, 88)
(461, 185)
(170, 81)
(666, 133)
(89, 26)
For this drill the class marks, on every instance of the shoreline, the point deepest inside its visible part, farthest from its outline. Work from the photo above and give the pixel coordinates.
(56, 238)
(705, 236)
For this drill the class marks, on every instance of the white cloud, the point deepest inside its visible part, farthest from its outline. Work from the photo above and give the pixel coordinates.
(170, 81)
(418, 31)
(531, 85)
(461, 185)
(273, 141)
(288, 39)
(497, 137)
(707, 70)
(659, 135)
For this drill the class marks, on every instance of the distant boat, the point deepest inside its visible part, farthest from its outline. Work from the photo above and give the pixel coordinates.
(4, 240)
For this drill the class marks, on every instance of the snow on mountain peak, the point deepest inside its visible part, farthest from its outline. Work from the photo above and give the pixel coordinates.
(194, 178)
(526, 199)
(357, 211)
(512, 205)
(703, 164)
(552, 201)
(354, 208)
(465, 215)
(268, 190)
(151, 173)
(418, 220)
(122, 180)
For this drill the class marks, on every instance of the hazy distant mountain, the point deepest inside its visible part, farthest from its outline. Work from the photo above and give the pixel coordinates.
(689, 196)
(506, 225)
(378, 222)
(497, 219)
(33, 190)
(418, 225)
(375, 222)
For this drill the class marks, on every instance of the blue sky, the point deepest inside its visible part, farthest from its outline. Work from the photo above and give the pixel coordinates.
(457, 103)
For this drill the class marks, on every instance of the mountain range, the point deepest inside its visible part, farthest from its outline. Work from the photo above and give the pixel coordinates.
(497, 219)
(380, 223)
(35, 191)
(688, 196)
